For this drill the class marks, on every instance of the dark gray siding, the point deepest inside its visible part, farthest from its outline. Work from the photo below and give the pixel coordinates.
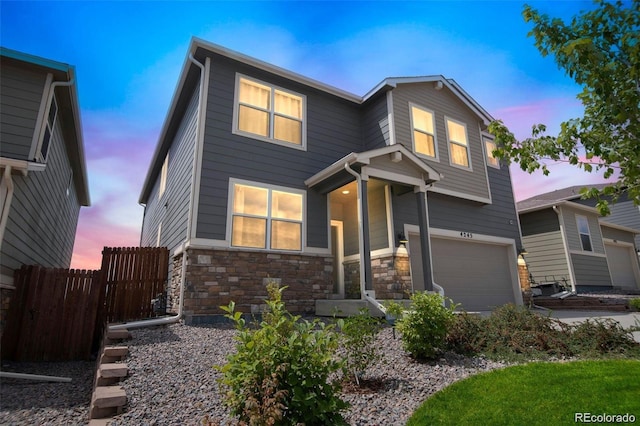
(443, 103)
(539, 222)
(378, 230)
(172, 209)
(43, 218)
(376, 123)
(333, 130)
(22, 92)
(497, 219)
(591, 270)
(616, 234)
(623, 212)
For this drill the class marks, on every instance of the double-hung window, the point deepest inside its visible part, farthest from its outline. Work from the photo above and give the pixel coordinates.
(490, 146)
(583, 230)
(266, 217)
(270, 113)
(43, 153)
(424, 139)
(458, 143)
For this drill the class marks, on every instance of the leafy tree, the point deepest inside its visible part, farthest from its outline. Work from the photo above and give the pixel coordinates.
(600, 50)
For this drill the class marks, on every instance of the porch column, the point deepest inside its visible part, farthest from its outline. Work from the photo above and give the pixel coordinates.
(365, 256)
(421, 198)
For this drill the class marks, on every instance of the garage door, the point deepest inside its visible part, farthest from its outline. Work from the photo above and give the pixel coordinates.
(476, 275)
(621, 265)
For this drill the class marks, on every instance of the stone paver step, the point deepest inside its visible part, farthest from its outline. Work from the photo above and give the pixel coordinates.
(109, 396)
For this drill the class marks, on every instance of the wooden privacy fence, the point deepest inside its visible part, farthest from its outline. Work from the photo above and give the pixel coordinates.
(132, 277)
(52, 316)
(59, 314)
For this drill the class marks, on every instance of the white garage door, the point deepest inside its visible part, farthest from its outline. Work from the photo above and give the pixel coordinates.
(621, 265)
(476, 275)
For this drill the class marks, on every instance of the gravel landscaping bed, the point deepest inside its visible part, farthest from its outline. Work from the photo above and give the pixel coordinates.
(172, 382)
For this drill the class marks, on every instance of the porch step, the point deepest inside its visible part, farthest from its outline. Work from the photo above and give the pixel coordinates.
(118, 335)
(113, 353)
(107, 401)
(112, 373)
(582, 303)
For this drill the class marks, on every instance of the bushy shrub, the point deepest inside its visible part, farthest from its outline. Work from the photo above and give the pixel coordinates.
(465, 334)
(358, 338)
(593, 338)
(424, 326)
(281, 371)
(635, 303)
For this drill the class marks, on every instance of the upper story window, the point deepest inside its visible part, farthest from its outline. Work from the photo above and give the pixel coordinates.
(583, 230)
(266, 217)
(43, 152)
(163, 176)
(490, 146)
(269, 113)
(458, 143)
(424, 135)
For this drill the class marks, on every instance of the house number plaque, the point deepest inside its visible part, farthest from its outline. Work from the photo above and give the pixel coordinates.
(466, 234)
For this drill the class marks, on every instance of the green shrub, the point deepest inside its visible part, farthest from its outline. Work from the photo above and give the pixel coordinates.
(281, 371)
(465, 334)
(358, 338)
(593, 338)
(635, 304)
(424, 326)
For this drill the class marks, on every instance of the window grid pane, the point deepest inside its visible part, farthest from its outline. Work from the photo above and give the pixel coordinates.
(459, 155)
(253, 121)
(285, 235)
(490, 147)
(424, 143)
(249, 232)
(287, 129)
(285, 205)
(250, 200)
(422, 120)
(457, 132)
(255, 94)
(289, 105)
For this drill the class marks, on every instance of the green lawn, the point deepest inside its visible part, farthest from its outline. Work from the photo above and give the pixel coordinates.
(538, 393)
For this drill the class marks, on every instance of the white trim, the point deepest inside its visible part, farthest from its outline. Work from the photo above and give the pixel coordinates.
(436, 156)
(587, 253)
(164, 172)
(383, 252)
(271, 139)
(41, 120)
(459, 194)
(373, 172)
(565, 245)
(391, 119)
(199, 146)
(270, 188)
(577, 217)
(340, 253)
(213, 244)
(449, 142)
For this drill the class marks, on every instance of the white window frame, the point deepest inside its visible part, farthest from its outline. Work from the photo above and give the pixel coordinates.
(49, 126)
(580, 234)
(236, 107)
(449, 142)
(436, 156)
(163, 176)
(489, 157)
(270, 188)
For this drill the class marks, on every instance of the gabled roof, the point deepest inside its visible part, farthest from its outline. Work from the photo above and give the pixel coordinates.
(67, 98)
(189, 79)
(540, 201)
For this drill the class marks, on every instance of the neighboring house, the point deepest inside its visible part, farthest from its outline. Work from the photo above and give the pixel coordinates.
(568, 241)
(42, 163)
(261, 173)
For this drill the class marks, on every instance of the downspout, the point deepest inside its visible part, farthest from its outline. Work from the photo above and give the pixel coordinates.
(183, 249)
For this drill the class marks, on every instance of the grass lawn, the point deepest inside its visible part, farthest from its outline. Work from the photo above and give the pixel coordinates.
(540, 393)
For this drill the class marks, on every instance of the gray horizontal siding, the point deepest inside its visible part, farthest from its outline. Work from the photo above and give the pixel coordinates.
(378, 229)
(333, 130)
(42, 221)
(591, 270)
(539, 222)
(22, 93)
(443, 103)
(571, 229)
(376, 123)
(616, 234)
(172, 209)
(546, 258)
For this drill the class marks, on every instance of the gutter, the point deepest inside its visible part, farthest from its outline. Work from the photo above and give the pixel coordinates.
(183, 249)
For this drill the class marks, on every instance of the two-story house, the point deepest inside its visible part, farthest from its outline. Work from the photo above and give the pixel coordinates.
(42, 163)
(261, 173)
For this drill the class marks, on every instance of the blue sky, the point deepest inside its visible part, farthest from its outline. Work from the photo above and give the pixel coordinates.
(128, 56)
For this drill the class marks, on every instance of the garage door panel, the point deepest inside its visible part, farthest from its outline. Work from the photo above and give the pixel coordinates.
(476, 275)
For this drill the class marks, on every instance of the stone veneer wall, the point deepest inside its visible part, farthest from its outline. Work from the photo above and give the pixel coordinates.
(216, 277)
(391, 277)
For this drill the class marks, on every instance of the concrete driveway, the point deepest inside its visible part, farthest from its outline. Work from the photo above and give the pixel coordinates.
(626, 319)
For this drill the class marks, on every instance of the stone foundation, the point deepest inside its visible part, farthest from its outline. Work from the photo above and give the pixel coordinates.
(216, 277)
(391, 277)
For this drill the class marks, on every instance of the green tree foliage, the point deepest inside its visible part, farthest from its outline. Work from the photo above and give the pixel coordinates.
(600, 50)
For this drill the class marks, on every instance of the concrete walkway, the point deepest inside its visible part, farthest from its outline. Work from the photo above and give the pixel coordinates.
(626, 319)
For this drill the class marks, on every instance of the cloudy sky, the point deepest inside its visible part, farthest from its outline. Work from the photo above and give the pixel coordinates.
(128, 56)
